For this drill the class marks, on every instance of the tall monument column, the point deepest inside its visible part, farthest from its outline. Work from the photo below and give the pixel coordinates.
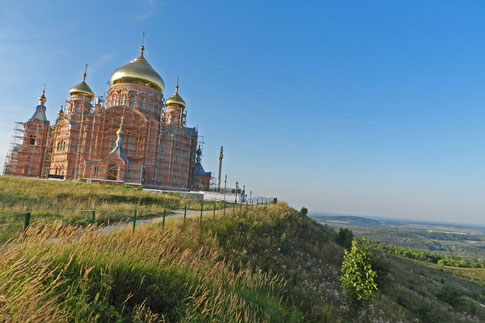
(220, 170)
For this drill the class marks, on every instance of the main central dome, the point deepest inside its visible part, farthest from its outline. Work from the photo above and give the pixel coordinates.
(138, 71)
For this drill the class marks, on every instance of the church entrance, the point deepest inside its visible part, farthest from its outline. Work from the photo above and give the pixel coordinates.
(113, 172)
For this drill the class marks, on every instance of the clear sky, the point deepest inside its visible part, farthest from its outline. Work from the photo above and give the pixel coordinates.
(364, 107)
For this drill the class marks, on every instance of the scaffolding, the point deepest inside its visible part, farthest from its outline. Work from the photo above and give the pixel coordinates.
(165, 151)
(46, 159)
(39, 145)
(11, 161)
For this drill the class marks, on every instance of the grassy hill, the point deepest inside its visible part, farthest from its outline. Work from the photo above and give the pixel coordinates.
(270, 264)
(73, 203)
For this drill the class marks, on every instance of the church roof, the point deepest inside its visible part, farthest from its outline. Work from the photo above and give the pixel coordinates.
(199, 170)
(39, 113)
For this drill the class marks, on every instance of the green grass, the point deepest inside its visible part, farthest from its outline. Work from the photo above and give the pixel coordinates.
(73, 203)
(270, 264)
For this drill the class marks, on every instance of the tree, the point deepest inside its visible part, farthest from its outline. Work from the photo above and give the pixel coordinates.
(358, 277)
(303, 211)
(344, 238)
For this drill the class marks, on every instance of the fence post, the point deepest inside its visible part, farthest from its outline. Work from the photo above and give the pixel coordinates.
(163, 220)
(185, 213)
(224, 207)
(234, 209)
(134, 220)
(93, 216)
(214, 210)
(201, 208)
(27, 220)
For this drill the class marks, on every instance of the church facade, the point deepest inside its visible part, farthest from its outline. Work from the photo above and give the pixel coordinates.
(133, 137)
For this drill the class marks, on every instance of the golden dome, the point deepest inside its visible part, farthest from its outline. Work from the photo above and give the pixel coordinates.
(82, 89)
(175, 98)
(138, 71)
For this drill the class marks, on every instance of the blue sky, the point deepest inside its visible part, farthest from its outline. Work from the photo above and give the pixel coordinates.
(374, 108)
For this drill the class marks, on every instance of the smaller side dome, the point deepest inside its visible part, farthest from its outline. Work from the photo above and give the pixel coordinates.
(82, 89)
(42, 98)
(176, 98)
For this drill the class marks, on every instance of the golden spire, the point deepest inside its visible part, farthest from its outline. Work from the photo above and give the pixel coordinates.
(120, 131)
(42, 98)
(142, 47)
(85, 73)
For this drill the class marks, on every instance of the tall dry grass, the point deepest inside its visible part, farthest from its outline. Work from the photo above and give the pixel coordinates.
(67, 273)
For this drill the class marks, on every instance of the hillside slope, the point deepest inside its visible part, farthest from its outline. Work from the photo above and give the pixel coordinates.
(270, 264)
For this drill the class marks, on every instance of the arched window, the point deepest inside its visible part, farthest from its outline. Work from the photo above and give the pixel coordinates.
(142, 103)
(112, 173)
(112, 142)
(32, 140)
(122, 99)
(132, 101)
(27, 170)
(131, 144)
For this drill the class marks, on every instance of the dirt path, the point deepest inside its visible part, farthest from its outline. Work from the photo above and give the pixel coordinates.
(173, 215)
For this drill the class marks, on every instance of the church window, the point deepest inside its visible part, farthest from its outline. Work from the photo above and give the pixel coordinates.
(153, 106)
(32, 140)
(112, 142)
(63, 146)
(132, 101)
(178, 157)
(177, 180)
(28, 159)
(142, 103)
(96, 170)
(131, 144)
(73, 172)
(122, 100)
(27, 170)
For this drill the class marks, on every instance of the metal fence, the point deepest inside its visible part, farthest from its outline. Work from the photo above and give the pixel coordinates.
(13, 223)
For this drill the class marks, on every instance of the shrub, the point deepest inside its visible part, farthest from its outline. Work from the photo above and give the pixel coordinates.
(357, 274)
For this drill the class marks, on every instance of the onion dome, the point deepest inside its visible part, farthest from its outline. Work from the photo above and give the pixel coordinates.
(138, 71)
(82, 89)
(42, 98)
(175, 98)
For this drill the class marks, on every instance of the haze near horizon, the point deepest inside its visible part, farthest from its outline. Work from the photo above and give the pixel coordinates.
(372, 108)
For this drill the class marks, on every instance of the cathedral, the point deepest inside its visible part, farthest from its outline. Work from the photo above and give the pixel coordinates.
(134, 136)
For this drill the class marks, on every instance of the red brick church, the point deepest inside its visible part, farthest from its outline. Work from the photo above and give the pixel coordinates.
(134, 137)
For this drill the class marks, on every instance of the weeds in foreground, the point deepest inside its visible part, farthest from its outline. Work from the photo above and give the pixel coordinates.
(65, 273)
